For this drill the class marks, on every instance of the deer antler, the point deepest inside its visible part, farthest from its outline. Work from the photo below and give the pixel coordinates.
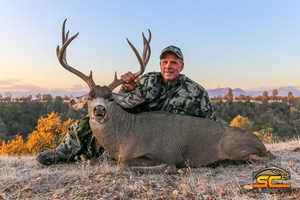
(61, 55)
(143, 61)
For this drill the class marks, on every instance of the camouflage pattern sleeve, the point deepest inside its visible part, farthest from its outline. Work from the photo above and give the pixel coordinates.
(191, 99)
(138, 90)
(206, 108)
(145, 87)
(185, 97)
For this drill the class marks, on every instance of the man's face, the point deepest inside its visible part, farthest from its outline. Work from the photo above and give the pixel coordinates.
(170, 67)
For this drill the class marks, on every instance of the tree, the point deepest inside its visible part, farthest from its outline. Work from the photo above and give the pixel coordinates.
(8, 96)
(71, 114)
(24, 99)
(3, 127)
(241, 97)
(66, 98)
(258, 98)
(57, 104)
(38, 97)
(275, 93)
(242, 122)
(249, 98)
(47, 98)
(290, 97)
(265, 96)
(229, 95)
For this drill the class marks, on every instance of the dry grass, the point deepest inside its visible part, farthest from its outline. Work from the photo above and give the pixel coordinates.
(24, 178)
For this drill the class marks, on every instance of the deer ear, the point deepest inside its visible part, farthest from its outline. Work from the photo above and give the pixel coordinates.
(78, 102)
(127, 100)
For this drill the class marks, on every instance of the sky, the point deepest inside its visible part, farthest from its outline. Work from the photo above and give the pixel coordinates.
(244, 44)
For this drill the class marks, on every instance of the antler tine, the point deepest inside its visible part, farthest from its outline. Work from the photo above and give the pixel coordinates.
(61, 55)
(146, 48)
(143, 61)
(146, 54)
(64, 38)
(115, 83)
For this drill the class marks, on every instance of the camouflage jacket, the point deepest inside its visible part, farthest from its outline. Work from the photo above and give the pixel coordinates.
(185, 97)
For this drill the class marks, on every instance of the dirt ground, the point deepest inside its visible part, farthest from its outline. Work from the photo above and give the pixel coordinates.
(24, 178)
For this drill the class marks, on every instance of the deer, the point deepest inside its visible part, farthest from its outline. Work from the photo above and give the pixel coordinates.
(156, 141)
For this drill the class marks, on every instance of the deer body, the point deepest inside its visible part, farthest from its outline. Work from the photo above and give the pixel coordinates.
(154, 138)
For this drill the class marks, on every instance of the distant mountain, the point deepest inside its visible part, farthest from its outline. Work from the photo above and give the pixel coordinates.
(282, 91)
(54, 93)
(222, 91)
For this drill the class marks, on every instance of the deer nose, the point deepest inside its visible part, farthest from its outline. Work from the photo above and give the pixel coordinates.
(99, 110)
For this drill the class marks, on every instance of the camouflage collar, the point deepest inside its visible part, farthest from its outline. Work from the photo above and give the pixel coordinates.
(181, 81)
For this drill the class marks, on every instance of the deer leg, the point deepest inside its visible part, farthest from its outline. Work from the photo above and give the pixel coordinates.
(254, 159)
(145, 164)
(155, 169)
(261, 159)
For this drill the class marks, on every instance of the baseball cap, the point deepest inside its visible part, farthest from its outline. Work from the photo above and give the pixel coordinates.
(171, 49)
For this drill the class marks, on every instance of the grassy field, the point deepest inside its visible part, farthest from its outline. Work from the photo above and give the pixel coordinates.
(24, 178)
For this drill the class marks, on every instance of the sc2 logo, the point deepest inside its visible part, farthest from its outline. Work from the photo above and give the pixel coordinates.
(264, 180)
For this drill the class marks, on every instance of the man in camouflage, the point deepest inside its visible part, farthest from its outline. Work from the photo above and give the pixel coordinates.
(167, 90)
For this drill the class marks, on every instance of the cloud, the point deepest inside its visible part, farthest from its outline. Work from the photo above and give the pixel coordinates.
(9, 81)
(21, 88)
(8, 86)
(27, 87)
(78, 87)
(216, 87)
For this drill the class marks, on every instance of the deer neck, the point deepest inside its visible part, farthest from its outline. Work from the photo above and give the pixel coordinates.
(116, 131)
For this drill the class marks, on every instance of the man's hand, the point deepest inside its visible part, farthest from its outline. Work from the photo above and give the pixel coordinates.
(129, 81)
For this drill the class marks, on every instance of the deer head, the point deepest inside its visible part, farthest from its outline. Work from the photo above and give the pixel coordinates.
(101, 98)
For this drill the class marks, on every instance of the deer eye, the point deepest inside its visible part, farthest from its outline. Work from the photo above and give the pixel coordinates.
(111, 100)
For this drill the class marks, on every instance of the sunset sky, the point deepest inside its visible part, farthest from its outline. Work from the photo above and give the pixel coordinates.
(246, 44)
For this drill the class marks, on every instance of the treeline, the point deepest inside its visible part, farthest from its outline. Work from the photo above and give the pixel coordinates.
(265, 96)
(21, 116)
(7, 97)
(278, 119)
(271, 115)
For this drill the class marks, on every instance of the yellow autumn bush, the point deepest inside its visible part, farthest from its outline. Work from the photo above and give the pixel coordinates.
(243, 122)
(14, 147)
(265, 136)
(48, 134)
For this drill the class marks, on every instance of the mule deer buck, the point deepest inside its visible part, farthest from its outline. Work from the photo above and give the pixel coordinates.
(157, 141)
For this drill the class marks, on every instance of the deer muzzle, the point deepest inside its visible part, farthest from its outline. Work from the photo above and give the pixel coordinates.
(99, 111)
